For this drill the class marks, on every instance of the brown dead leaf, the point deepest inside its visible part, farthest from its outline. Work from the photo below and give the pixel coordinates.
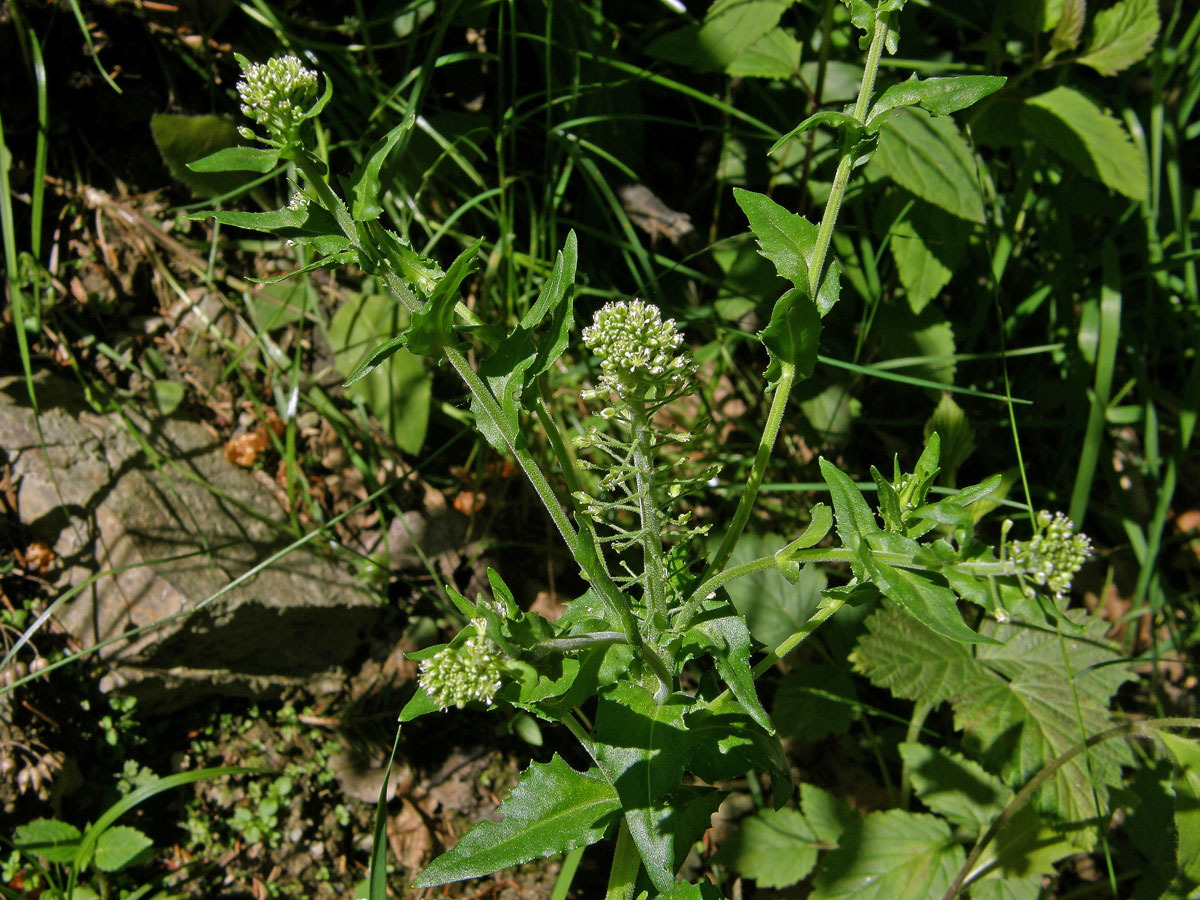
(37, 557)
(409, 837)
(469, 502)
(244, 449)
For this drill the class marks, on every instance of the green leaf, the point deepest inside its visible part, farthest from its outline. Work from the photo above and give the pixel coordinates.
(819, 523)
(432, 326)
(721, 633)
(851, 130)
(854, 518)
(552, 809)
(392, 383)
(167, 395)
(308, 224)
(1069, 26)
(957, 436)
(929, 158)
(1091, 140)
(940, 96)
(776, 848)
(867, 15)
(902, 655)
(1025, 850)
(1122, 35)
(730, 27)
(792, 335)
(926, 339)
(813, 702)
(892, 855)
(555, 299)
(237, 159)
(828, 815)
(1186, 783)
(774, 55)
(773, 607)
(928, 246)
(364, 183)
(1026, 706)
(400, 257)
(642, 747)
(784, 238)
(119, 846)
(52, 840)
(184, 139)
(955, 787)
(728, 745)
(931, 604)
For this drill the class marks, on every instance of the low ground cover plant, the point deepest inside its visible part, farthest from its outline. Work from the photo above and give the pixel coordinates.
(650, 669)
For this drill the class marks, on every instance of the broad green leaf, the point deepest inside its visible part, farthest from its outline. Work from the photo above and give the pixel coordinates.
(432, 326)
(774, 55)
(957, 436)
(854, 517)
(867, 15)
(52, 840)
(1091, 140)
(729, 28)
(955, 787)
(784, 238)
(118, 846)
(552, 809)
(928, 246)
(851, 130)
(774, 847)
(773, 607)
(892, 855)
(940, 96)
(727, 744)
(925, 340)
(989, 888)
(931, 604)
(902, 655)
(831, 413)
(364, 183)
(1122, 35)
(237, 159)
(792, 335)
(184, 139)
(813, 702)
(721, 633)
(690, 815)
(642, 747)
(396, 386)
(928, 157)
(1027, 848)
(1186, 752)
(828, 815)
(1026, 705)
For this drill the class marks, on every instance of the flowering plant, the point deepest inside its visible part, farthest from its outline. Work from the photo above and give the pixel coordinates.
(659, 752)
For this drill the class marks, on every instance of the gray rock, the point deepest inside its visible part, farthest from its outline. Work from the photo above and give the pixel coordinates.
(150, 510)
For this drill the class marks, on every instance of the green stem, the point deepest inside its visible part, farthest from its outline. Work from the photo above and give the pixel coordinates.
(623, 877)
(920, 713)
(653, 567)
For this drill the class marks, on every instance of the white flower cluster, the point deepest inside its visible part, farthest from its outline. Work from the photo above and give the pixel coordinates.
(637, 348)
(278, 94)
(1054, 554)
(455, 676)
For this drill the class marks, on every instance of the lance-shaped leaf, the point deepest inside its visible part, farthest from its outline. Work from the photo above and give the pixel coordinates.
(784, 238)
(237, 159)
(792, 335)
(432, 326)
(854, 518)
(940, 96)
(364, 183)
(850, 129)
(552, 809)
(721, 633)
(642, 747)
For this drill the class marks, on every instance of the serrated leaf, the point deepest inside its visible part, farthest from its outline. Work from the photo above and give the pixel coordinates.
(52, 840)
(641, 748)
(928, 246)
(776, 848)
(364, 183)
(1122, 35)
(556, 301)
(928, 157)
(1023, 710)
(773, 607)
(1186, 783)
(775, 55)
(729, 28)
(237, 159)
(118, 846)
(814, 702)
(1069, 26)
(939, 96)
(955, 787)
(1026, 848)
(1007, 888)
(432, 325)
(902, 655)
(786, 239)
(854, 517)
(928, 337)
(1095, 143)
(827, 814)
(865, 14)
(892, 855)
(552, 809)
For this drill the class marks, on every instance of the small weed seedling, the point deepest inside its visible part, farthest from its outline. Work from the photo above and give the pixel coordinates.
(656, 602)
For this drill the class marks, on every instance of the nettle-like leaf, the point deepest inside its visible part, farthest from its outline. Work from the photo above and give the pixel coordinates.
(1024, 851)
(891, 855)
(928, 157)
(1186, 787)
(928, 246)
(728, 744)
(1069, 25)
(1091, 140)
(730, 28)
(119, 846)
(955, 787)
(939, 96)
(775, 55)
(902, 655)
(813, 702)
(642, 748)
(551, 810)
(1122, 35)
(774, 847)
(774, 603)
(50, 839)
